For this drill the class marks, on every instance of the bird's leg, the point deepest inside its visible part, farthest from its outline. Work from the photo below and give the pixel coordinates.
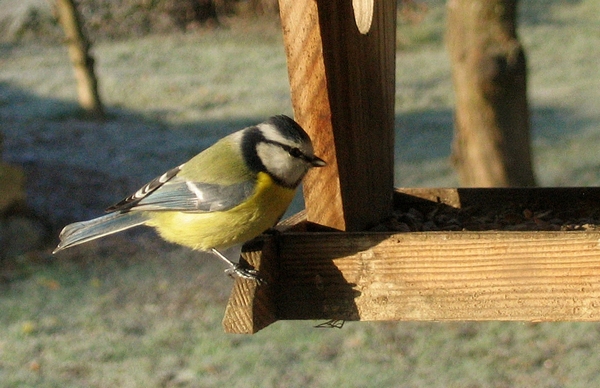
(236, 269)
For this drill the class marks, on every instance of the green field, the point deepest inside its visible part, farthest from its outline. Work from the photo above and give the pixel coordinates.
(132, 311)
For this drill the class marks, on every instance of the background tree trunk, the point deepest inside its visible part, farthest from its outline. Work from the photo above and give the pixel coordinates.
(83, 63)
(492, 142)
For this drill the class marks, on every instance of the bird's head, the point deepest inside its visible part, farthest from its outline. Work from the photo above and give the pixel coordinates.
(281, 148)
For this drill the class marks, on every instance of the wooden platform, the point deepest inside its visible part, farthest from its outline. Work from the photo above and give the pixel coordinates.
(463, 275)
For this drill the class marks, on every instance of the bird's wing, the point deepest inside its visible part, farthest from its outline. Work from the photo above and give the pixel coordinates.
(188, 196)
(146, 190)
(171, 192)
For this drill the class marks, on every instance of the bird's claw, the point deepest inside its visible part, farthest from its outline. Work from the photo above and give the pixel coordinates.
(237, 270)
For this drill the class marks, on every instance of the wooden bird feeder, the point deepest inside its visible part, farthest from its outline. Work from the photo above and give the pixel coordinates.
(325, 266)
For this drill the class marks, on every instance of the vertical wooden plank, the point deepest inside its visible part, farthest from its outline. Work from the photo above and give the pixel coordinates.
(342, 85)
(251, 305)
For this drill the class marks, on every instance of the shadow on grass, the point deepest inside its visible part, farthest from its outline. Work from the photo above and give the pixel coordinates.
(541, 12)
(77, 167)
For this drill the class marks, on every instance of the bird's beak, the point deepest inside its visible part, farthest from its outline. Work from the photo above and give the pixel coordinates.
(317, 162)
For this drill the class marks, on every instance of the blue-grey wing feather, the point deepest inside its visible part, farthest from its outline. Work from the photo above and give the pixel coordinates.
(171, 192)
(186, 196)
(132, 201)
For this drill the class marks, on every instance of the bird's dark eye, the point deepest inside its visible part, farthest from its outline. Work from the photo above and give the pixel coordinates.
(296, 153)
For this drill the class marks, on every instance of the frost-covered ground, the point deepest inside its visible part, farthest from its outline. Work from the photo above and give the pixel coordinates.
(132, 311)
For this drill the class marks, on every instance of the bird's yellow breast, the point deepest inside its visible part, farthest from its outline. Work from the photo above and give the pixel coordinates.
(223, 229)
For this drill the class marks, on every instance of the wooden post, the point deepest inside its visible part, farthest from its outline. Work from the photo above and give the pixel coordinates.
(342, 82)
(343, 87)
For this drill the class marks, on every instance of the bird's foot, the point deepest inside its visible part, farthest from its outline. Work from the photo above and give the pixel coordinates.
(238, 270)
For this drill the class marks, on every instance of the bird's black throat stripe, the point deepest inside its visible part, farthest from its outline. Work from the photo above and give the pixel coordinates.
(252, 138)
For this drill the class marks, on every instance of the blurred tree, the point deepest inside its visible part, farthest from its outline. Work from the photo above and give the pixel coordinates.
(264, 7)
(83, 62)
(12, 196)
(12, 184)
(191, 13)
(492, 141)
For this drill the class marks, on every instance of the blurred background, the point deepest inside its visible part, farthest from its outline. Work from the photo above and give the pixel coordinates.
(174, 76)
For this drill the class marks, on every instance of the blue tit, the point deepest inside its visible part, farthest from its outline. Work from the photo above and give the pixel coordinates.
(228, 194)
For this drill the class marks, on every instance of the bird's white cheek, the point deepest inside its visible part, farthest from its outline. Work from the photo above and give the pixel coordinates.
(280, 165)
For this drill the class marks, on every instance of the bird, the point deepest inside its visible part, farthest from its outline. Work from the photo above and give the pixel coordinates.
(226, 195)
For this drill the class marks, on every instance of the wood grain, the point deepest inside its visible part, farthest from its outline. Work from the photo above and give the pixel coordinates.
(494, 275)
(532, 276)
(342, 87)
(251, 305)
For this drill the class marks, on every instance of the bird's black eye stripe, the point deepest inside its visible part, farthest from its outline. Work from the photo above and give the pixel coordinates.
(296, 153)
(293, 151)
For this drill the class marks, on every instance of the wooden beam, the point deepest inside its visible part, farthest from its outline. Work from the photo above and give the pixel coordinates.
(441, 276)
(559, 199)
(343, 86)
(491, 275)
(532, 276)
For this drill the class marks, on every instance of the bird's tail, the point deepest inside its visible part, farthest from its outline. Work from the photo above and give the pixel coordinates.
(84, 231)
